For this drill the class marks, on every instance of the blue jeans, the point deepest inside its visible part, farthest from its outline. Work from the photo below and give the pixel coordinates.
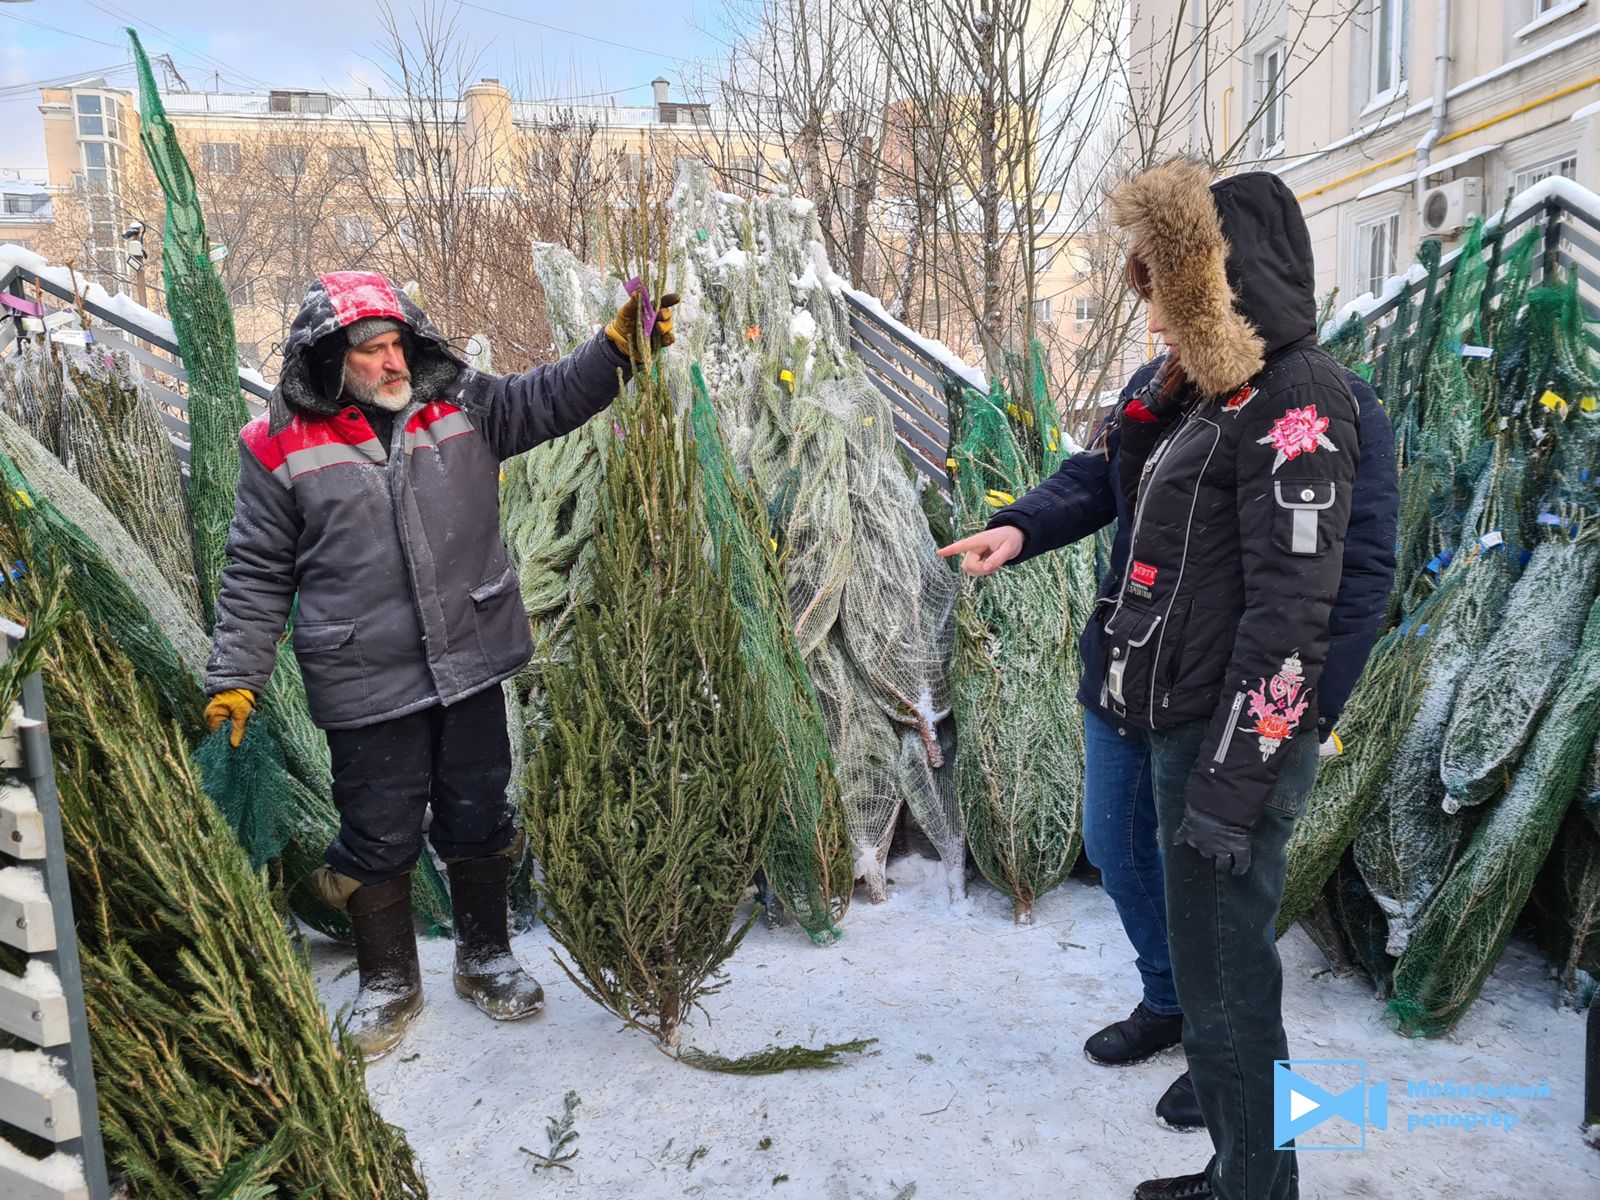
(1225, 963)
(1119, 836)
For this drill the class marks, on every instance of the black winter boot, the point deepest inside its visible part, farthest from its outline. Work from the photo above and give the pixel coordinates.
(1178, 1108)
(1142, 1034)
(486, 971)
(390, 994)
(1178, 1187)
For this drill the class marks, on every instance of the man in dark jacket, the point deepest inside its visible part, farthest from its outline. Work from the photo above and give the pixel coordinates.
(1077, 501)
(369, 503)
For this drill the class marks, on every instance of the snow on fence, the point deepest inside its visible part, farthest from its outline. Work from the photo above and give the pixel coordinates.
(1570, 215)
(46, 1090)
(41, 299)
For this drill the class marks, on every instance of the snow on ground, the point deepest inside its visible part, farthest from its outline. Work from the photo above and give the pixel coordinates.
(978, 1087)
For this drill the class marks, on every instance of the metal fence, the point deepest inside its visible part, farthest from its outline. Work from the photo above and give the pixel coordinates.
(41, 1007)
(35, 304)
(1571, 242)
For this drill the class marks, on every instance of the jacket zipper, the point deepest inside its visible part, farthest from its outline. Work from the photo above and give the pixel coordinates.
(1233, 724)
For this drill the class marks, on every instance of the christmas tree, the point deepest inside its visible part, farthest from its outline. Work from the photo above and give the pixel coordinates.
(655, 786)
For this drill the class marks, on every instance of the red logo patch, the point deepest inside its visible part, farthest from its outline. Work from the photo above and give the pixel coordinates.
(1239, 399)
(1143, 574)
(1137, 411)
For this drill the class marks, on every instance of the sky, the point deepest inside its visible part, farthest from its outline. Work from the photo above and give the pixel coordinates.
(554, 49)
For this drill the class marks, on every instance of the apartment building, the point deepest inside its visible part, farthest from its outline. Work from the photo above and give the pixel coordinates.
(1392, 120)
(26, 207)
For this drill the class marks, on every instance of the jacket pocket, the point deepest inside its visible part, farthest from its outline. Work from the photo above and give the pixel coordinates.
(1298, 522)
(1128, 633)
(502, 623)
(498, 586)
(335, 674)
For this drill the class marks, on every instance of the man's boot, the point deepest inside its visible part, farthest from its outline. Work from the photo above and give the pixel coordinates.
(486, 971)
(1137, 1037)
(390, 994)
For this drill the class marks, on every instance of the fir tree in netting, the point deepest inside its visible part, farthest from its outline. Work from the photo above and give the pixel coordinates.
(216, 1072)
(654, 789)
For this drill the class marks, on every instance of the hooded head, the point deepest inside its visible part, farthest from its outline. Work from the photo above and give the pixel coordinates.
(1229, 264)
(348, 308)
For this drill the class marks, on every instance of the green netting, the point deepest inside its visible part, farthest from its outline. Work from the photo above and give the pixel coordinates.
(198, 304)
(808, 863)
(654, 790)
(1019, 770)
(1504, 693)
(1462, 933)
(1346, 786)
(250, 784)
(209, 1042)
(1568, 897)
(112, 440)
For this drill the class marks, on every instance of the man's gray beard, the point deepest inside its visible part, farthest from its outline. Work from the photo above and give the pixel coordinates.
(373, 393)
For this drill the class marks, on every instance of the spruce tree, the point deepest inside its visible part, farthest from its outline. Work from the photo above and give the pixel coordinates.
(655, 786)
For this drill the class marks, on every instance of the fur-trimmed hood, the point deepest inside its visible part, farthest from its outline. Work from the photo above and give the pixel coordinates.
(313, 356)
(1230, 266)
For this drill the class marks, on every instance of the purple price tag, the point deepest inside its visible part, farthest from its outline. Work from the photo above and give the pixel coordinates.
(26, 307)
(647, 311)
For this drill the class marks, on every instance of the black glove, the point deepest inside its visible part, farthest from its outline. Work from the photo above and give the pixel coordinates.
(1227, 844)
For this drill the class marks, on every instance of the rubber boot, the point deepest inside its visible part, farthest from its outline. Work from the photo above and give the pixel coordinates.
(486, 971)
(390, 994)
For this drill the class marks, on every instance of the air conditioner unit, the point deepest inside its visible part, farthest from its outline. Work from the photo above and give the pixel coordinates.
(1446, 208)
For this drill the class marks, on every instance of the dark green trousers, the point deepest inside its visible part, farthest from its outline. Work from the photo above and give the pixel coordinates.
(1226, 968)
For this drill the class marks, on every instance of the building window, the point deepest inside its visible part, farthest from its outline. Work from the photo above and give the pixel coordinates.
(1389, 28)
(1562, 164)
(1083, 309)
(90, 122)
(1268, 100)
(405, 231)
(1376, 244)
(286, 162)
(354, 231)
(220, 158)
(243, 295)
(26, 203)
(405, 162)
(347, 162)
(1044, 310)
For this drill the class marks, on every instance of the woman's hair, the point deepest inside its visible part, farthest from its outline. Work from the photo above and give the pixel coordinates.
(1138, 277)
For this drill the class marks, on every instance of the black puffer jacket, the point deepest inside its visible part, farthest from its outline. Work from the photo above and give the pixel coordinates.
(1240, 486)
(1082, 497)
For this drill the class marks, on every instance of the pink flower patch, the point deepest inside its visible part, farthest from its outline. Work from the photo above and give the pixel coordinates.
(1299, 431)
(1277, 704)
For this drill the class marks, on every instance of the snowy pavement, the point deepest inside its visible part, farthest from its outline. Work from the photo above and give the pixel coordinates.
(978, 1087)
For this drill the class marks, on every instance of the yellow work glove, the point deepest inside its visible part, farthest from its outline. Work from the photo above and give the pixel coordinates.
(233, 706)
(626, 323)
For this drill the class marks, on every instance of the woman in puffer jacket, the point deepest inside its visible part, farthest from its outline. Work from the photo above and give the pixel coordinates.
(1237, 466)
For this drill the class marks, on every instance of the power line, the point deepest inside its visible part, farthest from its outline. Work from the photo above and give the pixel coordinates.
(588, 37)
(58, 80)
(64, 32)
(120, 14)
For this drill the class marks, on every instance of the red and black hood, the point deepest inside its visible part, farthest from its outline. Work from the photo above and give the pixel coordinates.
(313, 356)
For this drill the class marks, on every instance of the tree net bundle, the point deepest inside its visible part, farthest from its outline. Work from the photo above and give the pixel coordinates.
(98, 421)
(770, 329)
(871, 604)
(1493, 385)
(1019, 770)
(1462, 933)
(808, 864)
(198, 304)
(216, 1071)
(550, 496)
(655, 788)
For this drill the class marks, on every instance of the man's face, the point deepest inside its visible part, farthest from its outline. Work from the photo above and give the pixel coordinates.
(376, 370)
